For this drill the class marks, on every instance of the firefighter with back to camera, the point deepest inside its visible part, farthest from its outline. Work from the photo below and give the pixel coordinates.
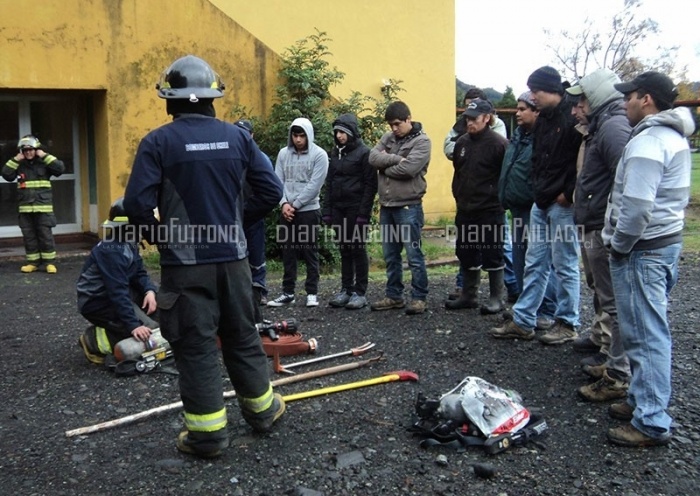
(194, 170)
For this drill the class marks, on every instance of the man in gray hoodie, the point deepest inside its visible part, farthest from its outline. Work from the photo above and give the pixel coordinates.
(644, 228)
(608, 133)
(302, 167)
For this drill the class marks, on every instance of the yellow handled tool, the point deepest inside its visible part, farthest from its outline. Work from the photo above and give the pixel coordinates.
(400, 375)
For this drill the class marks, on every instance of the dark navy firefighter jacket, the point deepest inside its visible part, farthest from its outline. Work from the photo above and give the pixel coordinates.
(112, 270)
(194, 170)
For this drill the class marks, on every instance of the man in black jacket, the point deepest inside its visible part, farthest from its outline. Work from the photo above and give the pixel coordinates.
(553, 240)
(351, 185)
(477, 160)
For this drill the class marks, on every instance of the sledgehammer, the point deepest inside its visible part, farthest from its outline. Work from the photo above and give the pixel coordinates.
(400, 375)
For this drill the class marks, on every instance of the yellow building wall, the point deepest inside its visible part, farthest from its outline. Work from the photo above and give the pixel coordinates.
(412, 41)
(115, 50)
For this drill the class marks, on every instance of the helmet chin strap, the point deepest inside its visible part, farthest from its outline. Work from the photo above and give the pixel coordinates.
(193, 98)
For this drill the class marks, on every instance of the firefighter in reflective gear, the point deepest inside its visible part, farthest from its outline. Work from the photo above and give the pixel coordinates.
(194, 170)
(114, 290)
(32, 167)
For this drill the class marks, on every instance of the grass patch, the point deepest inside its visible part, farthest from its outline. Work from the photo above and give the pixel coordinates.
(151, 257)
(695, 179)
(691, 232)
(441, 221)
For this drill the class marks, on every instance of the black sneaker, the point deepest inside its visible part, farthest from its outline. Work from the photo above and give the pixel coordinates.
(340, 300)
(282, 300)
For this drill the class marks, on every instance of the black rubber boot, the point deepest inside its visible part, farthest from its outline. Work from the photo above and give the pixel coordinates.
(470, 292)
(497, 290)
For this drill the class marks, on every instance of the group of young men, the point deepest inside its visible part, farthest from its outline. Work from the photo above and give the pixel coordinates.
(627, 195)
(601, 168)
(395, 168)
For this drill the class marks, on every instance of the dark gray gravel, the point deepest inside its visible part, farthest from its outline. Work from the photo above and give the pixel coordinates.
(349, 443)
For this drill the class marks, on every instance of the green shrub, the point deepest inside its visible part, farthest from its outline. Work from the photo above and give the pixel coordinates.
(307, 79)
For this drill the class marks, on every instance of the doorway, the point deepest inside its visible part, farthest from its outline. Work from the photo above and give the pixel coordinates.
(54, 120)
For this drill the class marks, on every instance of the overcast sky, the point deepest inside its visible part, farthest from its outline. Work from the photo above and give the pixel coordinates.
(500, 42)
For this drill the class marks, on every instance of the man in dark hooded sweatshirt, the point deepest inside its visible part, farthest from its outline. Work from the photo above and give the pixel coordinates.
(351, 185)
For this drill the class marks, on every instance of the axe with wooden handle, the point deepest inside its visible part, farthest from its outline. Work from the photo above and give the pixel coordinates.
(227, 394)
(400, 375)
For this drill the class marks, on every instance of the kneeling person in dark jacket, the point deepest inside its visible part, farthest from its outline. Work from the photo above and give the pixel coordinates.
(115, 292)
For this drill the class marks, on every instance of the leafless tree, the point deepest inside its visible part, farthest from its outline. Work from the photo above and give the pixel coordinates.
(593, 47)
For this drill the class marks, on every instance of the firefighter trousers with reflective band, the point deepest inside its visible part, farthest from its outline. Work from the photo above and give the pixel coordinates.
(109, 329)
(38, 238)
(197, 303)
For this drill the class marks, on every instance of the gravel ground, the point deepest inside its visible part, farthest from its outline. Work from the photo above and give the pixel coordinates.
(350, 443)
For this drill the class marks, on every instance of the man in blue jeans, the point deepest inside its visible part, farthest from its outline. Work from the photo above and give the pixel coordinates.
(643, 227)
(515, 193)
(553, 240)
(401, 158)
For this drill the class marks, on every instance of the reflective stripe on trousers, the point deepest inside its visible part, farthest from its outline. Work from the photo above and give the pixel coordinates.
(207, 422)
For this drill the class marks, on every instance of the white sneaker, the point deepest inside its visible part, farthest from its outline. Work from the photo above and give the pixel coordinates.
(311, 301)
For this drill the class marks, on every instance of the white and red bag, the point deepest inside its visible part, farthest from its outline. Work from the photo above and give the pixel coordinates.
(492, 409)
